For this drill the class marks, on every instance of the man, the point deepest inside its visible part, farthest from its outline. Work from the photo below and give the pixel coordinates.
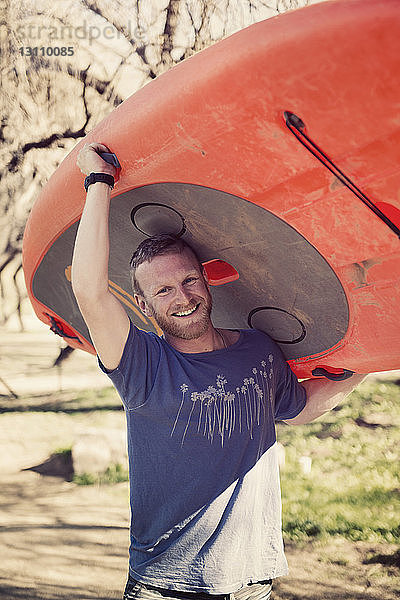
(201, 405)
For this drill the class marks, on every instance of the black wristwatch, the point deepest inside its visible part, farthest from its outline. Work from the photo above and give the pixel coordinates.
(103, 177)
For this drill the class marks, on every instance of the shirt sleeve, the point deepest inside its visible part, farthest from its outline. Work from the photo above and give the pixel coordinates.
(290, 396)
(135, 374)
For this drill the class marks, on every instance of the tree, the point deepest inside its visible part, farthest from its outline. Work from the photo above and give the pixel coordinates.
(67, 65)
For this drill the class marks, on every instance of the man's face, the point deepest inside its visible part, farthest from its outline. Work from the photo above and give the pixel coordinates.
(176, 294)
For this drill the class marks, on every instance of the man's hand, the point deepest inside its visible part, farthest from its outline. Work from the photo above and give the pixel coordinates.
(89, 160)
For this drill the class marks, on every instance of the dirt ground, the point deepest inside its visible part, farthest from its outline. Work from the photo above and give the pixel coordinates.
(59, 540)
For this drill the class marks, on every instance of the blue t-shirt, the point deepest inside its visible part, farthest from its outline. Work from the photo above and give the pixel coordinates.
(204, 481)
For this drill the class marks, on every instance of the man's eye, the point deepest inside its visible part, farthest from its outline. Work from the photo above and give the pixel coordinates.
(163, 290)
(190, 280)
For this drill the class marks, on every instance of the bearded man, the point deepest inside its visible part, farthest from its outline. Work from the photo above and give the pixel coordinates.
(201, 405)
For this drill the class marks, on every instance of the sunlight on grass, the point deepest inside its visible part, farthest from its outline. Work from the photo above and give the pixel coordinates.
(353, 488)
(114, 474)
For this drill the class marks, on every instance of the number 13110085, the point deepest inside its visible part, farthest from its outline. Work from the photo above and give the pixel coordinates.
(46, 51)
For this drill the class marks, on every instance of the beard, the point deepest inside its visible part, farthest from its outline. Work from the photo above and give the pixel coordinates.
(187, 330)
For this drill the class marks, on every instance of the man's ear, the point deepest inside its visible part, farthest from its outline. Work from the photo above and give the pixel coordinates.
(142, 304)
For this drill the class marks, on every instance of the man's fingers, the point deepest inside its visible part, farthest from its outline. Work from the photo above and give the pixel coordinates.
(98, 146)
(89, 159)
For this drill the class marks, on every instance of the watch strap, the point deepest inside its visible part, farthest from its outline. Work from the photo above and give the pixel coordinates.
(102, 177)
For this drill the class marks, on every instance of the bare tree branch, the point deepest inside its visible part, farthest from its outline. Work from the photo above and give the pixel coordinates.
(48, 102)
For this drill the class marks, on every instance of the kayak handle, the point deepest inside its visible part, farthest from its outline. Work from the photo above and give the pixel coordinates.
(332, 374)
(110, 158)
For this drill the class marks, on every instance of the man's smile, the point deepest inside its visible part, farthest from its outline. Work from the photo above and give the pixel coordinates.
(187, 312)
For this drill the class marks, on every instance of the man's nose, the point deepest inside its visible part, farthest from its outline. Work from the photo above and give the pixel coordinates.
(182, 295)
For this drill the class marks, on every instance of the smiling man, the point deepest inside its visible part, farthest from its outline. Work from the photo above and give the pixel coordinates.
(201, 405)
(177, 294)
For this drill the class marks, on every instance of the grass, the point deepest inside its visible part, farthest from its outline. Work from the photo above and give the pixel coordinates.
(114, 474)
(353, 488)
(64, 451)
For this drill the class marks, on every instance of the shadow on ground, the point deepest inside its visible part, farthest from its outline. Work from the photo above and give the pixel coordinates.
(48, 592)
(62, 402)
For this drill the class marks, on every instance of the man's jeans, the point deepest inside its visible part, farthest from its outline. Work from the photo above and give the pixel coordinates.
(139, 591)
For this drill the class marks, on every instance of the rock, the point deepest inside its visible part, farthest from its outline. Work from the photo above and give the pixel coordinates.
(96, 449)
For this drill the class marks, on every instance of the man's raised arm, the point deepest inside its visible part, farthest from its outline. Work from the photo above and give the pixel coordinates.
(323, 396)
(105, 317)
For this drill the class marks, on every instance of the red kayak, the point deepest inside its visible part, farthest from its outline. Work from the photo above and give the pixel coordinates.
(276, 154)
